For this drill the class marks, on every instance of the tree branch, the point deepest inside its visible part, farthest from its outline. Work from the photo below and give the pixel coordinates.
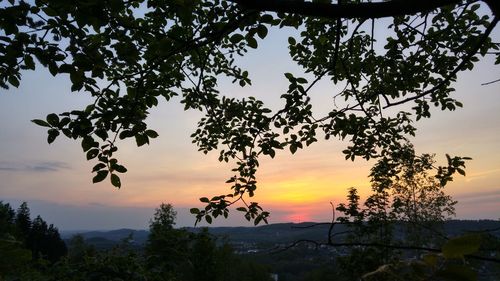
(349, 10)
(453, 73)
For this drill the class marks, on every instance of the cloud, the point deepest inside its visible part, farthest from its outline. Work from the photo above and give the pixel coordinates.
(40, 167)
(97, 204)
(478, 197)
(8, 169)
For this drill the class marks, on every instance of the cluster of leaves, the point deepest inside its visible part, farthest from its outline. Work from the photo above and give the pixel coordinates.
(130, 54)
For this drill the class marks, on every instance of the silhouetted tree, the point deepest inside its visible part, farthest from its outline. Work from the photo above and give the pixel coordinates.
(54, 247)
(7, 219)
(166, 248)
(23, 221)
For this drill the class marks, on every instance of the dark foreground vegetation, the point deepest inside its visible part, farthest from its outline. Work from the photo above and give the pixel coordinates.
(32, 250)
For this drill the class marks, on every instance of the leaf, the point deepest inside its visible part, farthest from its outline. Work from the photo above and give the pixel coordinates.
(126, 134)
(115, 180)
(152, 134)
(460, 246)
(262, 31)
(252, 43)
(257, 220)
(293, 148)
(14, 81)
(40, 122)
(65, 121)
(87, 143)
(194, 211)
(272, 153)
(98, 167)
(119, 168)
(141, 140)
(241, 209)
(91, 154)
(101, 133)
(101, 175)
(235, 38)
(53, 133)
(208, 219)
(53, 119)
(204, 200)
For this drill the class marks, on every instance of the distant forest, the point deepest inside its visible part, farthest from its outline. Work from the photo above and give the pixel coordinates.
(33, 250)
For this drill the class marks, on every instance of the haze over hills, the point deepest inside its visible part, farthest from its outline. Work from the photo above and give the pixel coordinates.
(271, 234)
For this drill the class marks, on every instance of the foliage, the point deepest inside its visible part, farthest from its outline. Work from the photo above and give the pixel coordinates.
(170, 254)
(403, 218)
(181, 255)
(23, 220)
(166, 248)
(446, 266)
(129, 55)
(14, 256)
(407, 208)
(25, 244)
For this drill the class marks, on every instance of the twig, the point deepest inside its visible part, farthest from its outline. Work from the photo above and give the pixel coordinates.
(491, 82)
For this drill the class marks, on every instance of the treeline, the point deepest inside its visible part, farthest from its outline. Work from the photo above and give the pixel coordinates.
(25, 242)
(371, 248)
(32, 250)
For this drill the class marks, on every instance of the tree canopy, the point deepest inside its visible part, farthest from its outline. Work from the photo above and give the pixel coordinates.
(129, 55)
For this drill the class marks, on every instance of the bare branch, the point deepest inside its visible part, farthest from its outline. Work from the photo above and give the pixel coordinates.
(491, 82)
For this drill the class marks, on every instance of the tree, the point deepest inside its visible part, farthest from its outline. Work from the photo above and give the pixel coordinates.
(26, 244)
(7, 217)
(23, 221)
(14, 257)
(36, 238)
(54, 247)
(78, 249)
(405, 212)
(147, 51)
(166, 248)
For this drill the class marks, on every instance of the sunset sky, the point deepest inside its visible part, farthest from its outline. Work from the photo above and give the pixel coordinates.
(56, 181)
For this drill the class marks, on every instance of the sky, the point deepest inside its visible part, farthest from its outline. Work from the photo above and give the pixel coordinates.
(56, 180)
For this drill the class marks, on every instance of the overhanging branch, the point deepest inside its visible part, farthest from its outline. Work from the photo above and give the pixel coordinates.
(348, 10)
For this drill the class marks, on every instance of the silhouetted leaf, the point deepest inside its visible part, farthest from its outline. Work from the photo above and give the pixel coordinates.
(208, 219)
(53, 119)
(92, 153)
(52, 135)
(40, 122)
(101, 175)
(115, 180)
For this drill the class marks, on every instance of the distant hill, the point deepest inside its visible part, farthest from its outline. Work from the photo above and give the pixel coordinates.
(274, 233)
(267, 234)
(107, 239)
